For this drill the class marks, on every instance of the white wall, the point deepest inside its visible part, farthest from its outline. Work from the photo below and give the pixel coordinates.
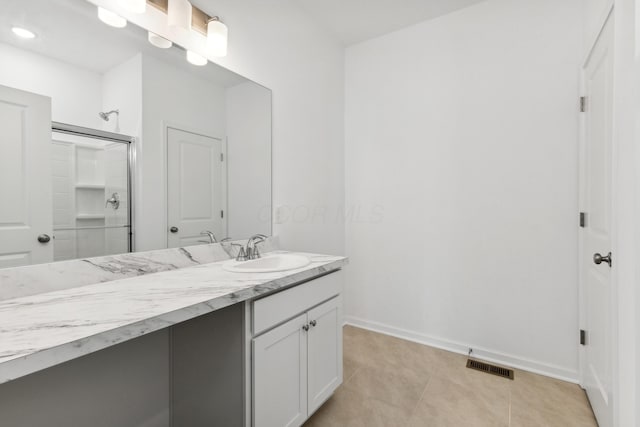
(122, 90)
(461, 157)
(248, 159)
(76, 93)
(305, 69)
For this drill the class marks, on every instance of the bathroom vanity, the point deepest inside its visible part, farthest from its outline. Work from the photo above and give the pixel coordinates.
(130, 147)
(192, 346)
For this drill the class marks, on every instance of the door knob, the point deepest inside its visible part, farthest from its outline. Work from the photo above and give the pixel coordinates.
(44, 238)
(174, 229)
(313, 323)
(599, 259)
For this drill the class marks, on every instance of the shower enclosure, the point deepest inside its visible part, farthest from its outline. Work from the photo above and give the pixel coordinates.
(92, 197)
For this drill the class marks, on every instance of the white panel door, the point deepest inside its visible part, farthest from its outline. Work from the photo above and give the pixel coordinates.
(25, 178)
(194, 188)
(596, 284)
(280, 376)
(325, 352)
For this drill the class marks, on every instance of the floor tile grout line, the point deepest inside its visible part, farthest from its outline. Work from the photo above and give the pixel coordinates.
(355, 371)
(424, 391)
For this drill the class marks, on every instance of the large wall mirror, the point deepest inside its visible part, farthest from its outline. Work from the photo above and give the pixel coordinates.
(111, 144)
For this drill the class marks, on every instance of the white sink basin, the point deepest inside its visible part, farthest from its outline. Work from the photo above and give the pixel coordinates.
(268, 264)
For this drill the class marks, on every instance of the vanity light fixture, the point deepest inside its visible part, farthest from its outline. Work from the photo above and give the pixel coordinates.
(217, 37)
(196, 59)
(135, 6)
(179, 14)
(111, 18)
(159, 41)
(23, 33)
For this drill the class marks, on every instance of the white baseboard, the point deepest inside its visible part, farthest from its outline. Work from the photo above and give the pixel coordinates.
(456, 347)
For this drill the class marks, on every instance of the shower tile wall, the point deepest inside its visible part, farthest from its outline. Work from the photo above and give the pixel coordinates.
(84, 176)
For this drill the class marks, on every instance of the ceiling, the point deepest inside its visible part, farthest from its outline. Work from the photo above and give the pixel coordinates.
(69, 31)
(353, 21)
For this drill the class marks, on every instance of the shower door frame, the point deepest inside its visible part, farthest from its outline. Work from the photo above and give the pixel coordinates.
(131, 161)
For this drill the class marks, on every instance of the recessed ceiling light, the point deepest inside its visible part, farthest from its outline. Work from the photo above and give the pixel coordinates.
(111, 18)
(196, 59)
(23, 33)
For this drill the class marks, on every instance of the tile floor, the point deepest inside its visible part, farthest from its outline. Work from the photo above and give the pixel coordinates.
(390, 382)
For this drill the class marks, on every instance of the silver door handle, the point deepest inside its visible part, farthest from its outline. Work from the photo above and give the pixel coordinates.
(599, 259)
(44, 238)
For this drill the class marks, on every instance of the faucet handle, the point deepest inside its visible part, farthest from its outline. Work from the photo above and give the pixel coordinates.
(242, 255)
(256, 250)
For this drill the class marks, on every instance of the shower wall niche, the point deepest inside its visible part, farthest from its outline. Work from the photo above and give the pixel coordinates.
(90, 197)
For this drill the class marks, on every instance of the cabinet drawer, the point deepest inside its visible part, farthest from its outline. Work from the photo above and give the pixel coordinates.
(277, 308)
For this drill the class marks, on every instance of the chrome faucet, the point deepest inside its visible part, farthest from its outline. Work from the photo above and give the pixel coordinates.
(251, 249)
(212, 237)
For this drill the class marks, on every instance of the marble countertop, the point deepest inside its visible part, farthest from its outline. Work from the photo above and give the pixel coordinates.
(43, 330)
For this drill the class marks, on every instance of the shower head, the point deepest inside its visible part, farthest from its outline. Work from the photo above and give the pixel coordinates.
(105, 115)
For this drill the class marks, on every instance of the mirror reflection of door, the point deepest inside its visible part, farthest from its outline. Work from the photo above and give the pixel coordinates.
(25, 163)
(195, 173)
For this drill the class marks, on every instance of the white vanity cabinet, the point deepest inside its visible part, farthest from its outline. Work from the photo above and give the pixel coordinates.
(297, 352)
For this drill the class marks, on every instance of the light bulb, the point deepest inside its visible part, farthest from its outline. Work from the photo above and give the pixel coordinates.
(179, 14)
(217, 36)
(135, 6)
(23, 33)
(196, 59)
(111, 18)
(159, 41)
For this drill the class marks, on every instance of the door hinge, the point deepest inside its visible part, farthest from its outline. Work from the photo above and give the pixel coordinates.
(221, 214)
(583, 219)
(222, 157)
(583, 337)
(583, 104)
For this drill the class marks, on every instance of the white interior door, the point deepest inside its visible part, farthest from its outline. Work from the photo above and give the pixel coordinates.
(195, 188)
(25, 178)
(596, 284)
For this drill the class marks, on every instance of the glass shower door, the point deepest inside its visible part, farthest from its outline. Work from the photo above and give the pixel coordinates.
(91, 197)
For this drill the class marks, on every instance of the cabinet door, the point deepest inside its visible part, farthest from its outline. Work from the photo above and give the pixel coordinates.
(325, 351)
(280, 376)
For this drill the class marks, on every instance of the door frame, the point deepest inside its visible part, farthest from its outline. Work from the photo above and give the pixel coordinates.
(81, 131)
(169, 124)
